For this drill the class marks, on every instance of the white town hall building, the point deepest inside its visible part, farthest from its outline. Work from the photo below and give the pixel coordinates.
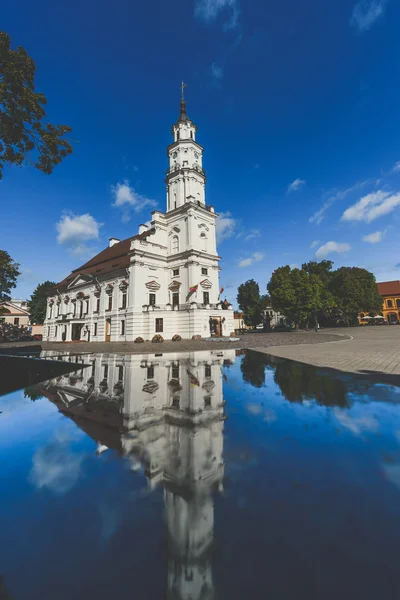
(165, 280)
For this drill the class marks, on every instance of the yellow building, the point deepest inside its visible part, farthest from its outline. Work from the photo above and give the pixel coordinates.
(390, 292)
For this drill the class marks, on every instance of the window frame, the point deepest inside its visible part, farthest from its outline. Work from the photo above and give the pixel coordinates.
(122, 326)
(94, 329)
(206, 297)
(204, 270)
(152, 299)
(159, 325)
(175, 272)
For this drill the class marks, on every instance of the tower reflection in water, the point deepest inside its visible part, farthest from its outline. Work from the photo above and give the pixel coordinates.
(165, 414)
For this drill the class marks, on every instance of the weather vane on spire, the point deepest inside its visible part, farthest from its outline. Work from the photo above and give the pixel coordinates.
(183, 87)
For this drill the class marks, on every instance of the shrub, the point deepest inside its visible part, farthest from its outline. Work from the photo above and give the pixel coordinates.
(139, 340)
(196, 337)
(157, 338)
(177, 338)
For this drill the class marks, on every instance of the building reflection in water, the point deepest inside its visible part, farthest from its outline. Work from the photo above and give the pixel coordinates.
(165, 414)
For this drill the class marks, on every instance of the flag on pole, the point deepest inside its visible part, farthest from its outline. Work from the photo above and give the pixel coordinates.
(192, 290)
(193, 380)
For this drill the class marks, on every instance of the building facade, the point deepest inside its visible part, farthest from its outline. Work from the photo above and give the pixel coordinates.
(165, 280)
(165, 416)
(390, 293)
(15, 312)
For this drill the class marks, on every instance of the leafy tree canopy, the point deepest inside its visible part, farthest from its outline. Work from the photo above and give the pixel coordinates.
(9, 271)
(297, 294)
(251, 303)
(22, 113)
(355, 291)
(38, 302)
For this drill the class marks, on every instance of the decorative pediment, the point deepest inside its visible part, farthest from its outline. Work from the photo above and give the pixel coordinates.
(203, 226)
(123, 285)
(80, 295)
(174, 230)
(109, 289)
(153, 286)
(80, 279)
(206, 284)
(174, 285)
(151, 387)
(66, 299)
(51, 301)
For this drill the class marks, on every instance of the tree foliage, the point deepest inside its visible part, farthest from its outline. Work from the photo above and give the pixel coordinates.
(355, 291)
(297, 294)
(251, 303)
(22, 113)
(9, 271)
(38, 301)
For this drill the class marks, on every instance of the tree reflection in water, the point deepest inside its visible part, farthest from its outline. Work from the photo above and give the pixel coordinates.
(299, 382)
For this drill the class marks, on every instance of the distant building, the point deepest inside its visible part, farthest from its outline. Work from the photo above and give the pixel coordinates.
(276, 317)
(390, 292)
(165, 280)
(15, 312)
(239, 321)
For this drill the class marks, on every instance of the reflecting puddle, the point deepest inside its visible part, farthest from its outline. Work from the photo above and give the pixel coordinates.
(199, 475)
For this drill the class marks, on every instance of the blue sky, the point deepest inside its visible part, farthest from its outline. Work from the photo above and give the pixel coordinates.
(297, 106)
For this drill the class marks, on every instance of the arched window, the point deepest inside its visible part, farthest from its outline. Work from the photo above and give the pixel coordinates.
(203, 241)
(398, 302)
(174, 199)
(389, 304)
(191, 134)
(175, 244)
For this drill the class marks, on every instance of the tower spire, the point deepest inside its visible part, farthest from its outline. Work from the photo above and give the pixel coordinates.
(183, 115)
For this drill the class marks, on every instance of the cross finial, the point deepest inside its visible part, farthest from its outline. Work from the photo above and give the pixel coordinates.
(183, 87)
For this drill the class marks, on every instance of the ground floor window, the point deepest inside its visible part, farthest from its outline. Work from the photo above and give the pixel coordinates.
(207, 370)
(95, 329)
(48, 332)
(206, 297)
(175, 372)
(122, 327)
(55, 331)
(150, 372)
(175, 299)
(120, 373)
(159, 325)
(105, 371)
(16, 321)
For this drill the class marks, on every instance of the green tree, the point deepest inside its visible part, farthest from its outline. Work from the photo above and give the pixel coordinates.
(9, 271)
(297, 294)
(250, 302)
(355, 291)
(22, 113)
(38, 301)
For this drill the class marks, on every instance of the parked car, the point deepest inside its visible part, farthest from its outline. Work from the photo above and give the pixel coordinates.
(38, 337)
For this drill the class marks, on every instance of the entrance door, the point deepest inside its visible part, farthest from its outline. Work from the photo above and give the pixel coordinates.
(108, 330)
(76, 331)
(215, 326)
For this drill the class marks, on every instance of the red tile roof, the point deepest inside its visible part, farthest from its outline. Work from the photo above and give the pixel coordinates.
(110, 259)
(389, 288)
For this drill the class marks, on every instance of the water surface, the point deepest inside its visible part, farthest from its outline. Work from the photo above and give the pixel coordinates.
(197, 476)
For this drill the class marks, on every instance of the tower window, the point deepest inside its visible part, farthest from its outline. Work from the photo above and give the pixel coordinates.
(175, 244)
(203, 242)
(175, 272)
(191, 134)
(152, 299)
(204, 271)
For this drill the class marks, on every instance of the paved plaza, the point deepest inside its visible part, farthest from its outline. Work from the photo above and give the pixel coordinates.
(372, 351)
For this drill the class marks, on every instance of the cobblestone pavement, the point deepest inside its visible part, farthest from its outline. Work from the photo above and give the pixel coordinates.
(372, 351)
(249, 340)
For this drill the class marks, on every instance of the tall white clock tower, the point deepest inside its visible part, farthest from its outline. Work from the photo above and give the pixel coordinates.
(185, 177)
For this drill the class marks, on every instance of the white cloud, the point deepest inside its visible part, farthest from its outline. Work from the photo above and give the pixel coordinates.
(296, 185)
(357, 425)
(126, 198)
(56, 467)
(319, 215)
(396, 167)
(330, 247)
(217, 71)
(366, 13)
(374, 238)
(75, 230)
(315, 243)
(254, 233)
(225, 226)
(247, 262)
(210, 10)
(372, 206)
